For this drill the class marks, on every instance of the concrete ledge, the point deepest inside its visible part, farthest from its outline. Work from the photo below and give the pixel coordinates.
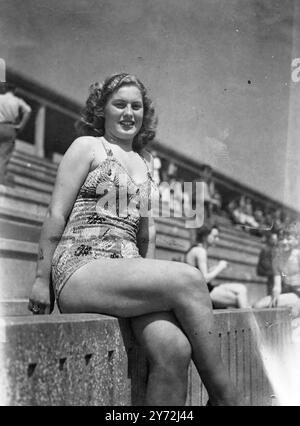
(26, 163)
(90, 359)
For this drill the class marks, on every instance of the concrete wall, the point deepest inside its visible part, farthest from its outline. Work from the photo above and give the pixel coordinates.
(93, 359)
(218, 70)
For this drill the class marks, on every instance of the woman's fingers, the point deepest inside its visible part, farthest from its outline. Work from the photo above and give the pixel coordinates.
(38, 308)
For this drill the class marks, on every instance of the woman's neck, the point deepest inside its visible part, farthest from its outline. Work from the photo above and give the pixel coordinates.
(125, 145)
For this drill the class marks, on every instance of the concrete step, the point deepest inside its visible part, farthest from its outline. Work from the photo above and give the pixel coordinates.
(239, 272)
(172, 243)
(34, 160)
(236, 246)
(35, 175)
(17, 268)
(244, 240)
(238, 232)
(24, 200)
(13, 230)
(17, 307)
(168, 227)
(230, 255)
(21, 217)
(20, 182)
(17, 160)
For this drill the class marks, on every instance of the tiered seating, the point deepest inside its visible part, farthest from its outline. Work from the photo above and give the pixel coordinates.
(241, 250)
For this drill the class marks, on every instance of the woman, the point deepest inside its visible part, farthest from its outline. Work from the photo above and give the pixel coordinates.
(222, 295)
(103, 261)
(286, 265)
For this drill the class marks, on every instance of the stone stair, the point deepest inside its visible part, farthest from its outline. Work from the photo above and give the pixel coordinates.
(23, 208)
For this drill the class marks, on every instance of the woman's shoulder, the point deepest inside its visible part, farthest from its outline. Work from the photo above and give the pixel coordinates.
(85, 147)
(146, 154)
(198, 249)
(83, 142)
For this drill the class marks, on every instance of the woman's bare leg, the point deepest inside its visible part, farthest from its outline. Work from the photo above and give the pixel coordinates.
(169, 354)
(230, 295)
(290, 300)
(133, 287)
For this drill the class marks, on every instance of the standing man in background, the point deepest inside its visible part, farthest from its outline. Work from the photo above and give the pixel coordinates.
(14, 114)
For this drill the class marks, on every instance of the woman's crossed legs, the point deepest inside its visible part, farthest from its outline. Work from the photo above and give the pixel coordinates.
(157, 293)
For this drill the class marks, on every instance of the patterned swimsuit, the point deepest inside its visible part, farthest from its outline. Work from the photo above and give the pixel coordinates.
(100, 225)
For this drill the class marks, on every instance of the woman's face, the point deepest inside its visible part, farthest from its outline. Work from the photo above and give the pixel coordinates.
(213, 237)
(124, 113)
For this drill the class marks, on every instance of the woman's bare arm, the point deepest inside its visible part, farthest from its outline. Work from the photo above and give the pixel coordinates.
(71, 174)
(201, 256)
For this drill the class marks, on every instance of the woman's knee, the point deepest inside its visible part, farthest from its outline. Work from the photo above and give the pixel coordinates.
(171, 353)
(190, 283)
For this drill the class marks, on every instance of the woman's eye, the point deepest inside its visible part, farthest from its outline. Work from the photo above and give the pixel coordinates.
(119, 105)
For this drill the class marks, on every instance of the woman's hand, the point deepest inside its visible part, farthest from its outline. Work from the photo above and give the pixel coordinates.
(223, 264)
(41, 300)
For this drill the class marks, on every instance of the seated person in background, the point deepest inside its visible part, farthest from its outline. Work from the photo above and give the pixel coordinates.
(268, 219)
(237, 210)
(223, 295)
(277, 220)
(231, 209)
(259, 217)
(266, 260)
(286, 287)
(246, 212)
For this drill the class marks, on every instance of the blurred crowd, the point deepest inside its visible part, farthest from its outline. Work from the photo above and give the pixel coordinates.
(256, 218)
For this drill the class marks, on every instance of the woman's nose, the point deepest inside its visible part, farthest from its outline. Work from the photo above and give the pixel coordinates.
(128, 111)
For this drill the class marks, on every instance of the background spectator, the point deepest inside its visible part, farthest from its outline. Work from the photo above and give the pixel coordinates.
(14, 114)
(265, 265)
(286, 287)
(223, 295)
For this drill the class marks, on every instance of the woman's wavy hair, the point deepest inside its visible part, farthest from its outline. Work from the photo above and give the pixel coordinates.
(92, 116)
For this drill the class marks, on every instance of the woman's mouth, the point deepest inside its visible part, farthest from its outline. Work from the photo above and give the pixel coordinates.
(127, 123)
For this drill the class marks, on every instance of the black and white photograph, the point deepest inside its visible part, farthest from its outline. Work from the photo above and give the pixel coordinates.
(150, 205)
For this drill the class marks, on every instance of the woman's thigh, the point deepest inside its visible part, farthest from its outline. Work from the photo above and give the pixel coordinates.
(125, 287)
(223, 296)
(287, 299)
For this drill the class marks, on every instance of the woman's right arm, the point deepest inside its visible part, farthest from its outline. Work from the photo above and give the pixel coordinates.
(202, 265)
(71, 174)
